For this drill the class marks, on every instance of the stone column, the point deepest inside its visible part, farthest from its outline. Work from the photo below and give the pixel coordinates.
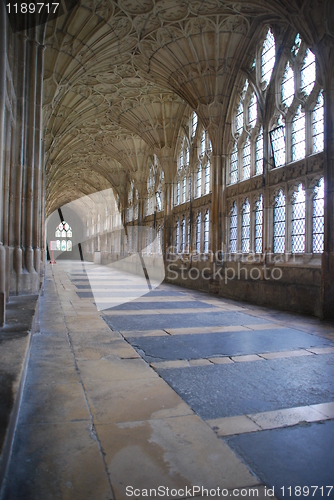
(327, 266)
(30, 154)
(217, 194)
(2, 156)
(38, 164)
(20, 48)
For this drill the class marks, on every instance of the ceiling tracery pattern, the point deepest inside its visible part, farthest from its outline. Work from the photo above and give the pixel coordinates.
(120, 76)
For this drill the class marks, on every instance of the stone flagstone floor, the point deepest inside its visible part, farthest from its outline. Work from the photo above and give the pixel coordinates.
(174, 388)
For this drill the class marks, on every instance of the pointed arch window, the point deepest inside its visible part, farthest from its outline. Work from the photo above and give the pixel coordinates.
(184, 187)
(279, 223)
(245, 236)
(298, 136)
(234, 165)
(267, 58)
(189, 234)
(258, 225)
(189, 186)
(259, 153)
(246, 159)
(288, 86)
(233, 228)
(308, 73)
(198, 233)
(178, 191)
(64, 231)
(318, 216)
(318, 125)
(298, 220)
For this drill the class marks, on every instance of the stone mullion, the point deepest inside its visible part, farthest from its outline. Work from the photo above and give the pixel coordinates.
(222, 238)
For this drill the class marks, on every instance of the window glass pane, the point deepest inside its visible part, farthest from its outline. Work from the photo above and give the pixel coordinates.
(308, 73)
(69, 246)
(198, 233)
(194, 122)
(298, 221)
(246, 160)
(63, 246)
(233, 228)
(189, 233)
(203, 143)
(178, 192)
(268, 58)
(252, 110)
(296, 45)
(183, 234)
(277, 138)
(189, 186)
(234, 165)
(318, 217)
(177, 235)
(298, 140)
(199, 183)
(206, 231)
(288, 86)
(207, 178)
(184, 185)
(259, 225)
(259, 153)
(318, 124)
(240, 117)
(245, 226)
(279, 223)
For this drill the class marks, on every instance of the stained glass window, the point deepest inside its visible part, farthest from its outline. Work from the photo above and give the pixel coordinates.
(206, 231)
(318, 125)
(268, 58)
(245, 235)
(277, 139)
(207, 178)
(279, 223)
(252, 110)
(198, 233)
(183, 234)
(298, 220)
(234, 165)
(240, 118)
(318, 217)
(308, 73)
(259, 225)
(298, 137)
(246, 159)
(233, 228)
(63, 230)
(177, 235)
(259, 153)
(288, 86)
(199, 182)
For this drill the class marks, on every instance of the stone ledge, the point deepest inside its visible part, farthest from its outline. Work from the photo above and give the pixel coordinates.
(22, 318)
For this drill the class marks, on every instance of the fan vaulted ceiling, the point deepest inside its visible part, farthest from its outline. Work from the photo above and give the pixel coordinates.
(121, 77)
